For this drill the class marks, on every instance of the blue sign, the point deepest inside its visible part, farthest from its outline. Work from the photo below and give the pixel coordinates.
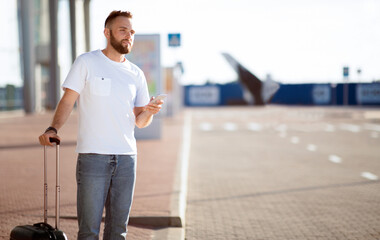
(345, 71)
(174, 39)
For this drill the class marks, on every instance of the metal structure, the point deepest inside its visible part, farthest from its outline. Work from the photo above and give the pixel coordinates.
(29, 48)
(27, 53)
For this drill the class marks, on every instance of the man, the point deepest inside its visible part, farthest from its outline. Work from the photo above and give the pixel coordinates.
(112, 98)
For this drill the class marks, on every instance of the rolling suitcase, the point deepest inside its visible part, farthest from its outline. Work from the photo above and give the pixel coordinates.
(43, 230)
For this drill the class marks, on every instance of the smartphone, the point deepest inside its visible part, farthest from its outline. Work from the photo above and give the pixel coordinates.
(159, 97)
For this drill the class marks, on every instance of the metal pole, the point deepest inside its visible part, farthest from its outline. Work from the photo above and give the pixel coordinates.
(45, 186)
(54, 77)
(87, 24)
(345, 85)
(28, 53)
(57, 190)
(73, 30)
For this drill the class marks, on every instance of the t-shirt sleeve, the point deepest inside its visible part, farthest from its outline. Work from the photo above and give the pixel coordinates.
(142, 95)
(76, 79)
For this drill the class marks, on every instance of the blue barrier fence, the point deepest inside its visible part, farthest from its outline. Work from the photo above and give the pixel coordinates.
(289, 94)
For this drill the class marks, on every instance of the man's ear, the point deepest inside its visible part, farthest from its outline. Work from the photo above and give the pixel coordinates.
(106, 33)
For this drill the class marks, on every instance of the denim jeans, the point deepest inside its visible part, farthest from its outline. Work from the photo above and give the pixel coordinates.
(104, 181)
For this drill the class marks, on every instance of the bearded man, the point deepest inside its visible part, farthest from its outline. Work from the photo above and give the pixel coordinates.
(112, 98)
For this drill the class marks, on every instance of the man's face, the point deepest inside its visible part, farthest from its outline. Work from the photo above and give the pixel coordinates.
(122, 35)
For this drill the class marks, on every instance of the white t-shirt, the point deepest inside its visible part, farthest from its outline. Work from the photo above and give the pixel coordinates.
(108, 91)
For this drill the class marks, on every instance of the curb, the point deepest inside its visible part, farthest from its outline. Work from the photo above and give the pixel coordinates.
(179, 198)
(176, 222)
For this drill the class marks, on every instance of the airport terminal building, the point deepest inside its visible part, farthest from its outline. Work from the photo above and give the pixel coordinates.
(37, 32)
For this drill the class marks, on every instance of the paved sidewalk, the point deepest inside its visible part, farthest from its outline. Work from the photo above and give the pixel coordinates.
(21, 181)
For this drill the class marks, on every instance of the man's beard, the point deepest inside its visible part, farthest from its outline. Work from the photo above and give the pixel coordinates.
(118, 46)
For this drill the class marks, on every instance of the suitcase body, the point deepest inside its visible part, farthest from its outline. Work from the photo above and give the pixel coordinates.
(42, 231)
(39, 231)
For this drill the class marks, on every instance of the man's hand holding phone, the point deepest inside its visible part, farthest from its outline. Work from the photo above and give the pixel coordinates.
(155, 104)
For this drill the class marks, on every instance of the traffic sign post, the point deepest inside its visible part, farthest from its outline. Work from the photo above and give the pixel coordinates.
(174, 39)
(346, 73)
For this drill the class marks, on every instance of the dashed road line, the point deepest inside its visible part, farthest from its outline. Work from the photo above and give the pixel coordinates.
(230, 126)
(372, 127)
(311, 147)
(369, 176)
(254, 127)
(335, 159)
(350, 127)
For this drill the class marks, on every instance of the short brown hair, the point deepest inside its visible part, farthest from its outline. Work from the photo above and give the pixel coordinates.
(114, 14)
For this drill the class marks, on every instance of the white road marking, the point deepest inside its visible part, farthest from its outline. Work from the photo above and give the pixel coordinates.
(230, 126)
(205, 126)
(295, 140)
(335, 159)
(350, 127)
(374, 134)
(373, 127)
(311, 147)
(369, 176)
(254, 126)
(329, 128)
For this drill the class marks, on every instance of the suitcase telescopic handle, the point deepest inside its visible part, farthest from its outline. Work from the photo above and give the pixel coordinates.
(57, 191)
(55, 140)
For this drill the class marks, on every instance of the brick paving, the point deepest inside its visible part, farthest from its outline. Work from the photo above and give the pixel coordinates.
(259, 185)
(243, 184)
(21, 169)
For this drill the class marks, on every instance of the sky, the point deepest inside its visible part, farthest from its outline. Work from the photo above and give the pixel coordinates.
(295, 41)
(9, 49)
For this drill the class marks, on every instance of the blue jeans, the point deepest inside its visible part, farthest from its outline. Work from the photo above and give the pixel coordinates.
(104, 181)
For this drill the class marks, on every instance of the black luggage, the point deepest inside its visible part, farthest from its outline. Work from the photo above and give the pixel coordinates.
(43, 230)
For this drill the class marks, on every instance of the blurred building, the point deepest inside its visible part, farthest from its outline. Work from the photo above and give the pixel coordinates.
(42, 41)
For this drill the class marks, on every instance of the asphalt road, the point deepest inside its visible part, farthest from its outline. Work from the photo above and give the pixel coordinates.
(279, 172)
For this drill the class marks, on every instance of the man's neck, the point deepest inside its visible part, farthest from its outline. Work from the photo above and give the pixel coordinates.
(113, 54)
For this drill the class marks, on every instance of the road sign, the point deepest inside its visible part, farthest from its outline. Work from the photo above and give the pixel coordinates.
(345, 71)
(174, 39)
